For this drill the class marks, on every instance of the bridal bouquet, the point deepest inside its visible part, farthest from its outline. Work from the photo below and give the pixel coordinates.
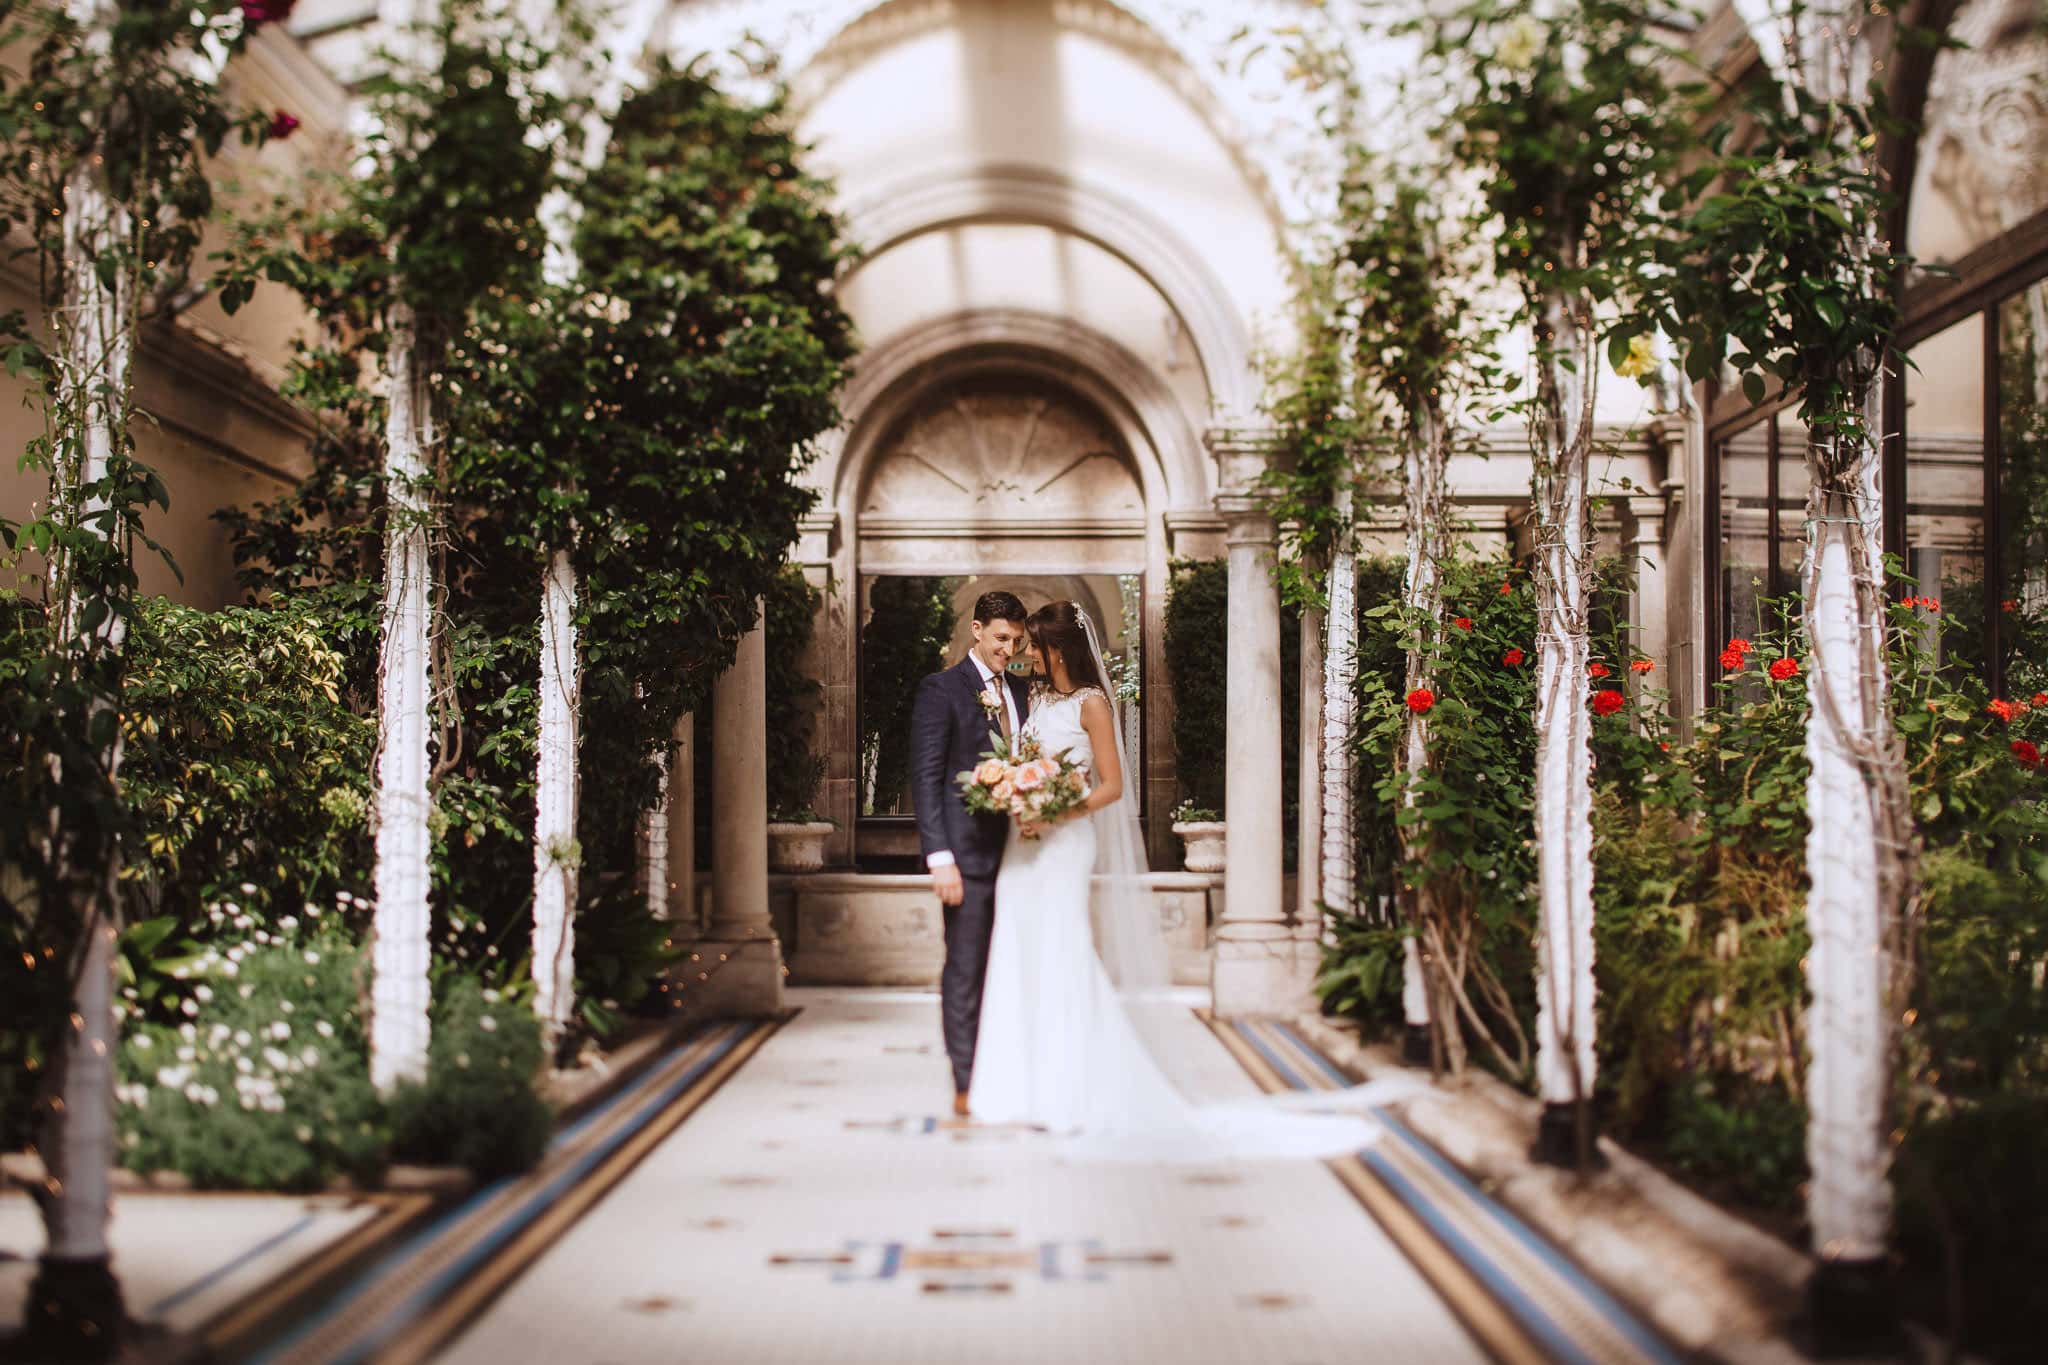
(1023, 782)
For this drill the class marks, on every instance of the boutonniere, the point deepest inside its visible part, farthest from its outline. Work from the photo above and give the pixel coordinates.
(990, 703)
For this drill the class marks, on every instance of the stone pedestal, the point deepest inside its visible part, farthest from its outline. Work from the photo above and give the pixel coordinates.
(736, 970)
(1257, 968)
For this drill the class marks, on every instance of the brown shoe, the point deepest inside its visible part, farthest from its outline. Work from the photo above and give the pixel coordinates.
(960, 1103)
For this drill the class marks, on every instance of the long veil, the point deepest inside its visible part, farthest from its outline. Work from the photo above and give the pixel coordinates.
(1133, 949)
(1127, 932)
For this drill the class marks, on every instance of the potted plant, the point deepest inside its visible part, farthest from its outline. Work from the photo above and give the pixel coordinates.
(1201, 829)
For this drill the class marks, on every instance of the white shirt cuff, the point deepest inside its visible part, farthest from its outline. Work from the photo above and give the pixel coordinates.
(935, 861)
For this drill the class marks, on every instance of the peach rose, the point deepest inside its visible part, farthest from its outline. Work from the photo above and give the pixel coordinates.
(1031, 776)
(1003, 792)
(989, 771)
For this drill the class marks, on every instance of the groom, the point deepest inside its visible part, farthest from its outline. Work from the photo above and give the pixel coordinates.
(954, 715)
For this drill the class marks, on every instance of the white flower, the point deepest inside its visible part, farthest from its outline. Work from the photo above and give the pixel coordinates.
(278, 1060)
(186, 1054)
(323, 1028)
(143, 1041)
(248, 888)
(190, 1007)
(178, 973)
(242, 1038)
(231, 969)
(312, 957)
(312, 909)
(310, 1056)
(490, 997)
(288, 922)
(204, 994)
(1520, 45)
(287, 1006)
(244, 1065)
(280, 1030)
(171, 1077)
(303, 1133)
(247, 991)
(187, 1032)
(487, 1024)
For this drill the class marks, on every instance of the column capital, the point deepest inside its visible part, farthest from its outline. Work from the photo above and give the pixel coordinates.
(1243, 456)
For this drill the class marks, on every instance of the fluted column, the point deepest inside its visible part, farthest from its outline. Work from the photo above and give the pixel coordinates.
(736, 969)
(1255, 966)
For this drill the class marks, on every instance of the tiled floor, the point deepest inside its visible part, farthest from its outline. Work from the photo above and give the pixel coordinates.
(183, 1258)
(814, 1211)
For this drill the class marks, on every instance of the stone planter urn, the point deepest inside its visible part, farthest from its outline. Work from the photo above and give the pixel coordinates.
(798, 845)
(1204, 839)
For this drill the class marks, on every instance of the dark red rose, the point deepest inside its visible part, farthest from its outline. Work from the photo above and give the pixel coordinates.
(282, 126)
(1607, 701)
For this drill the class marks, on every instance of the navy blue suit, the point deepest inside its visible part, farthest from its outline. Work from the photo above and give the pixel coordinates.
(949, 732)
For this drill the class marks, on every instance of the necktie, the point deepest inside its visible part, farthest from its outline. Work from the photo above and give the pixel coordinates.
(997, 686)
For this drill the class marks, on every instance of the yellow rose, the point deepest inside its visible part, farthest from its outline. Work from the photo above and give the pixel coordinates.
(1521, 44)
(1641, 359)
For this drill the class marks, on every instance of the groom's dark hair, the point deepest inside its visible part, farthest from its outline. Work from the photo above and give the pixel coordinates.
(999, 606)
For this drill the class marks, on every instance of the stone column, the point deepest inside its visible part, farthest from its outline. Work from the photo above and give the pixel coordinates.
(1308, 846)
(736, 968)
(1642, 530)
(1254, 970)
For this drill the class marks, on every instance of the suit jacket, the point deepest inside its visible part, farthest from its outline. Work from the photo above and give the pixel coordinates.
(949, 733)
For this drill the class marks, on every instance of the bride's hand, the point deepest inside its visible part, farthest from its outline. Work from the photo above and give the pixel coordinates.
(1030, 829)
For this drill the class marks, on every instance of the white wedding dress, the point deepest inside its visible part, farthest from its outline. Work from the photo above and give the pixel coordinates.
(1057, 1047)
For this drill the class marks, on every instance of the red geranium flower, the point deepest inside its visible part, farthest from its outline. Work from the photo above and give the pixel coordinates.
(1462, 622)
(2027, 754)
(1607, 702)
(1641, 665)
(2008, 605)
(1506, 588)
(1740, 646)
(1513, 658)
(2041, 699)
(282, 126)
(1420, 700)
(1731, 659)
(1596, 670)
(2001, 709)
(1782, 669)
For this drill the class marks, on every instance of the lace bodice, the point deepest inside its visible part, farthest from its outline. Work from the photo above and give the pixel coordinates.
(1056, 720)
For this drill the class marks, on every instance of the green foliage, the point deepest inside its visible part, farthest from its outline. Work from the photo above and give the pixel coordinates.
(1196, 627)
(265, 1085)
(794, 769)
(243, 763)
(1360, 977)
(910, 623)
(650, 412)
(477, 1108)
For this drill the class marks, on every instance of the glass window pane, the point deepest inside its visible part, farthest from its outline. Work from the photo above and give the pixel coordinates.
(1792, 486)
(2023, 491)
(1745, 531)
(1945, 487)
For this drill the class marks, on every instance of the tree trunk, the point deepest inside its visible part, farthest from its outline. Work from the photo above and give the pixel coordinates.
(399, 995)
(1858, 855)
(556, 857)
(1424, 454)
(1340, 717)
(653, 843)
(75, 1302)
(1564, 755)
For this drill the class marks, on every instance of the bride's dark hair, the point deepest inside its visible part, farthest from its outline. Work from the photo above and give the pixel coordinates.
(1058, 625)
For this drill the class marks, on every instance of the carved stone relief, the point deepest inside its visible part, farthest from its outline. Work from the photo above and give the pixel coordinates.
(991, 452)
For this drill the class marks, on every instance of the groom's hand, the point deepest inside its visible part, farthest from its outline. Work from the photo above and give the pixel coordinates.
(946, 881)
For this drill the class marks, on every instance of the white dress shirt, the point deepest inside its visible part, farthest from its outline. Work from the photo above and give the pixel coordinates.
(944, 857)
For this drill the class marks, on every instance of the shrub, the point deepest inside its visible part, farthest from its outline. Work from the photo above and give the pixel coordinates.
(265, 1085)
(477, 1109)
(794, 770)
(910, 621)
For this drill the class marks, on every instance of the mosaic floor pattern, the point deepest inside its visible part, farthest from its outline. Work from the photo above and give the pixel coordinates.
(814, 1210)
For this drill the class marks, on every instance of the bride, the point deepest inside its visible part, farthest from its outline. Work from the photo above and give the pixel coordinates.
(1057, 1046)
